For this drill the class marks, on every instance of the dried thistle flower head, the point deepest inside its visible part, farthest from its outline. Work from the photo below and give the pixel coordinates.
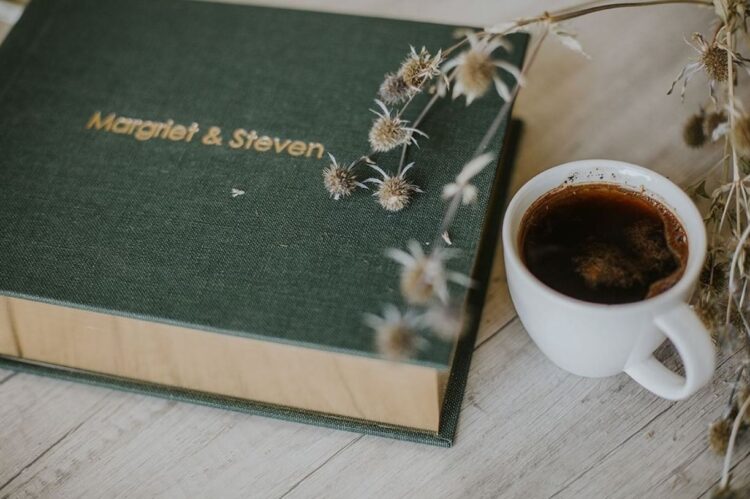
(693, 132)
(393, 192)
(420, 67)
(741, 136)
(476, 70)
(394, 90)
(712, 59)
(389, 132)
(339, 181)
(462, 187)
(396, 334)
(718, 435)
(445, 321)
(424, 277)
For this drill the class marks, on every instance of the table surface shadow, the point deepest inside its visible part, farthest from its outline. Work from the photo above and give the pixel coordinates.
(527, 428)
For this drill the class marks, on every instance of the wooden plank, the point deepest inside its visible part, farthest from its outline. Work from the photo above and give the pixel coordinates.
(135, 446)
(539, 435)
(36, 413)
(668, 457)
(276, 373)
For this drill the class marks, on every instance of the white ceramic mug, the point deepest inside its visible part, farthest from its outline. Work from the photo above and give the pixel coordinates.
(595, 340)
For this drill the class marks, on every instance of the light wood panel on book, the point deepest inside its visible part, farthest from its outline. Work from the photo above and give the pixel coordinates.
(8, 343)
(275, 373)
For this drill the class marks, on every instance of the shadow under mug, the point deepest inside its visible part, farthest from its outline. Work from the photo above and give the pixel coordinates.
(596, 340)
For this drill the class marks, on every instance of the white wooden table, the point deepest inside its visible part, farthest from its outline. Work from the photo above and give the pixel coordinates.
(527, 429)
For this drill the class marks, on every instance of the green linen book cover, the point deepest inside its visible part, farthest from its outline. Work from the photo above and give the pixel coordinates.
(161, 159)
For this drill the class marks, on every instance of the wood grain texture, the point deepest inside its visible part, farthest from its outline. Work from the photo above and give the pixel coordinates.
(527, 429)
(8, 338)
(286, 375)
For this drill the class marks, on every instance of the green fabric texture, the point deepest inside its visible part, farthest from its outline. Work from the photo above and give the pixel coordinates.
(149, 229)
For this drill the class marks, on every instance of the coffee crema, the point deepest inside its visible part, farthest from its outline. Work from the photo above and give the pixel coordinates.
(603, 243)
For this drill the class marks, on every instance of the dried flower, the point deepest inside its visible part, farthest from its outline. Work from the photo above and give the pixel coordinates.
(461, 186)
(693, 132)
(741, 135)
(712, 59)
(476, 70)
(424, 276)
(396, 334)
(445, 321)
(339, 180)
(389, 132)
(718, 435)
(420, 67)
(394, 192)
(394, 90)
(712, 123)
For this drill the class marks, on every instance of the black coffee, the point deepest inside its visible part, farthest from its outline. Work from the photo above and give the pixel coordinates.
(603, 244)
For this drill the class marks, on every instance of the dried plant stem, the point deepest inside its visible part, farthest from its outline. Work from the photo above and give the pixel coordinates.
(415, 124)
(573, 12)
(735, 259)
(730, 447)
(568, 14)
(733, 120)
(455, 201)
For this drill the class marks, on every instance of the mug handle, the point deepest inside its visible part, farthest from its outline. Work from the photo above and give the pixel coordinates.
(693, 342)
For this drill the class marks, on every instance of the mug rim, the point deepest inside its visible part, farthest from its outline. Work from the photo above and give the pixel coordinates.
(693, 266)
